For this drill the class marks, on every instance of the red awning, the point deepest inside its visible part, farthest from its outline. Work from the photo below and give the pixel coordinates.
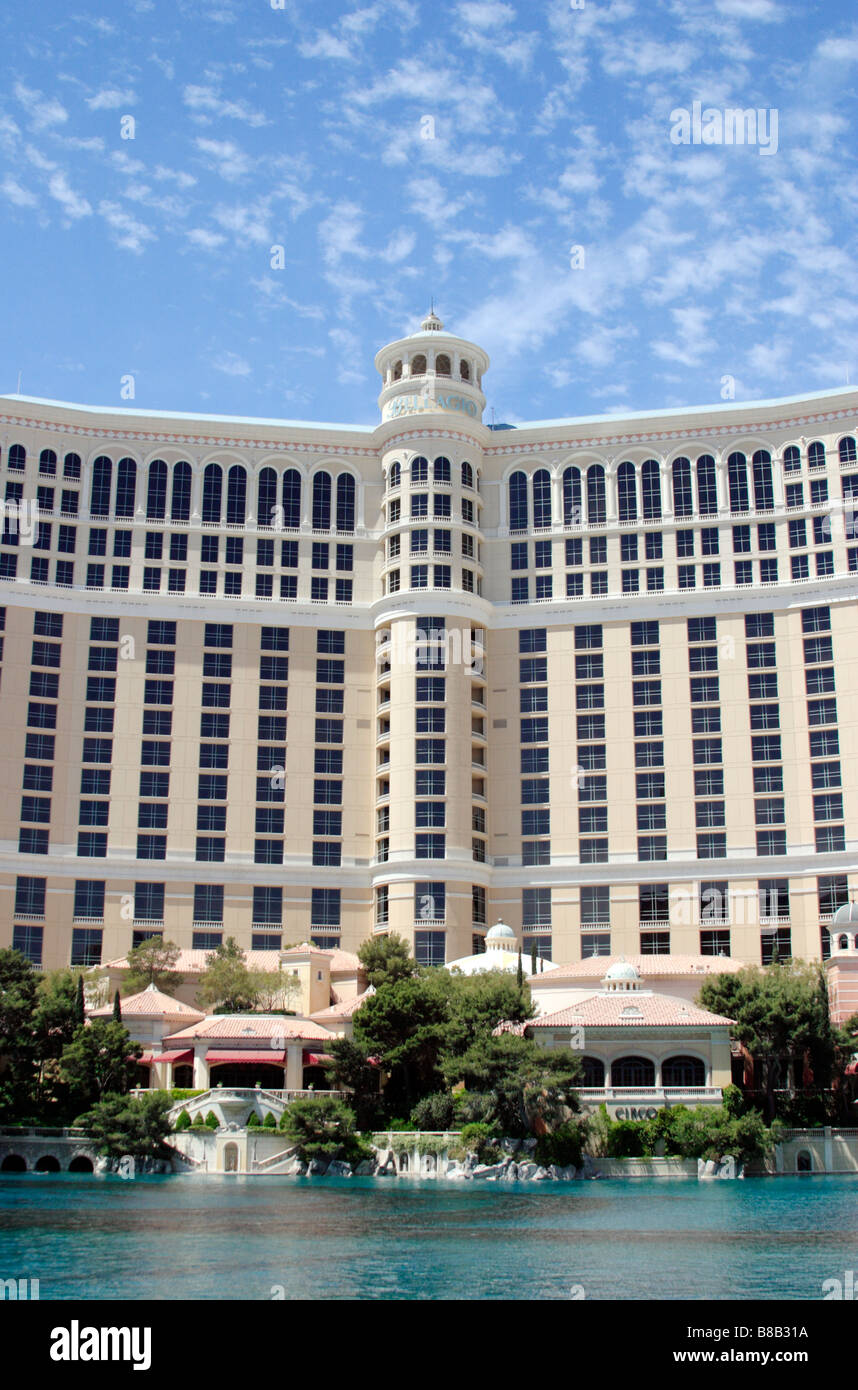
(272, 1058)
(177, 1058)
(316, 1059)
(144, 1060)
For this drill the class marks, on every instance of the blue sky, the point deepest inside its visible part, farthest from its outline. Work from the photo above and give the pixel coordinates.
(397, 149)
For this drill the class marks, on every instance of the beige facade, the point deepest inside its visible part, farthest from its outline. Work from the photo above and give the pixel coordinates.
(219, 720)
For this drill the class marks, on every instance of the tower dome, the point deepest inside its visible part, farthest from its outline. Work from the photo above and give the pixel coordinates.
(500, 933)
(845, 915)
(621, 976)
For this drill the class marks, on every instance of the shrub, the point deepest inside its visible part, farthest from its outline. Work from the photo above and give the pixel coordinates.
(625, 1139)
(212, 1121)
(253, 1121)
(562, 1147)
(270, 1121)
(480, 1139)
(198, 1122)
(433, 1112)
(177, 1095)
(183, 1122)
(324, 1127)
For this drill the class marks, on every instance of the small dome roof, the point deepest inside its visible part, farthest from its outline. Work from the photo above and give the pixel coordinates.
(844, 915)
(500, 932)
(622, 970)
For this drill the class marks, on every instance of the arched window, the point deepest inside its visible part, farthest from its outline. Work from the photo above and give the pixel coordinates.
(518, 502)
(394, 477)
(180, 505)
(707, 487)
(102, 476)
(683, 1071)
(419, 469)
(322, 502)
(71, 466)
(542, 497)
(418, 365)
(442, 365)
(17, 456)
(465, 370)
(594, 1071)
(804, 1161)
(467, 475)
(847, 451)
(843, 942)
(737, 473)
(792, 459)
(236, 496)
(292, 499)
(48, 462)
(683, 497)
(345, 502)
(126, 487)
(632, 1071)
(441, 470)
(651, 489)
(397, 370)
(627, 497)
(266, 496)
(596, 510)
(816, 454)
(573, 513)
(212, 492)
(764, 496)
(156, 496)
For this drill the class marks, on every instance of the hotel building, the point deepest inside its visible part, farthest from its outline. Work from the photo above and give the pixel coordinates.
(286, 681)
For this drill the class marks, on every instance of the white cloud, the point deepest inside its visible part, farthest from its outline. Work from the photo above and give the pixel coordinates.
(231, 364)
(44, 112)
(765, 10)
(73, 204)
(206, 240)
(21, 197)
(111, 99)
(206, 102)
(128, 233)
(226, 157)
(325, 45)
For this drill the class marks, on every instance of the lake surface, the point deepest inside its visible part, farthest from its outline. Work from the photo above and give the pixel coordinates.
(187, 1237)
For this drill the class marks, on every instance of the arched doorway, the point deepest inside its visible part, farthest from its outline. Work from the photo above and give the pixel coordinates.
(594, 1072)
(81, 1164)
(804, 1162)
(683, 1071)
(48, 1164)
(230, 1158)
(632, 1071)
(183, 1078)
(13, 1163)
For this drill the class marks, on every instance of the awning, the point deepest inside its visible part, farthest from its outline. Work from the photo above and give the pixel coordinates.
(270, 1058)
(316, 1059)
(177, 1058)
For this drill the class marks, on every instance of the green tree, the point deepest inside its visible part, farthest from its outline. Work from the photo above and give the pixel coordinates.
(274, 989)
(54, 1023)
(226, 982)
(18, 984)
(351, 1070)
(151, 963)
(403, 1025)
(117, 1008)
(386, 960)
(529, 1086)
(79, 1002)
(129, 1124)
(323, 1127)
(781, 1014)
(100, 1058)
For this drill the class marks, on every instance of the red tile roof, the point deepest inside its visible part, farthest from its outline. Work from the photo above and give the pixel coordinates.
(646, 966)
(150, 1003)
(346, 1009)
(252, 1028)
(630, 1009)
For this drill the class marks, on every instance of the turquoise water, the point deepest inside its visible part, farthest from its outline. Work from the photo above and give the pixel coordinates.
(237, 1238)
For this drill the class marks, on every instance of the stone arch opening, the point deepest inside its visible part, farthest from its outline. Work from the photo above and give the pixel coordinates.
(230, 1158)
(13, 1163)
(47, 1164)
(804, 1161)
(81, 1164)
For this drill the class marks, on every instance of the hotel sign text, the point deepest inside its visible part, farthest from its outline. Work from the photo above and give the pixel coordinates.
(418, 405)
